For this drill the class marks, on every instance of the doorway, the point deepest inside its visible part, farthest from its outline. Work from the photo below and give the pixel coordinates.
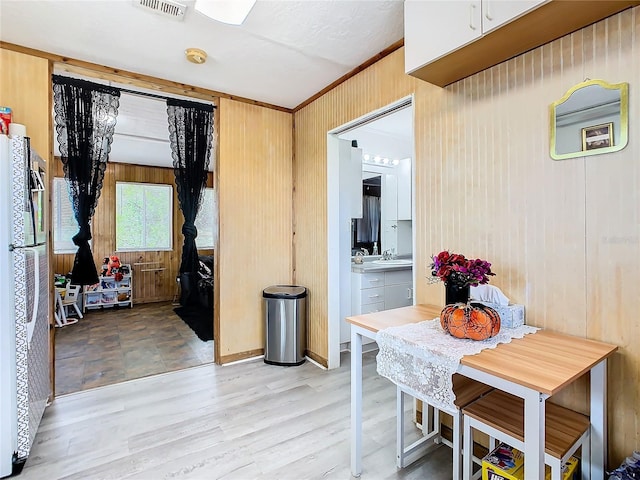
(370, 137)
(139, 334)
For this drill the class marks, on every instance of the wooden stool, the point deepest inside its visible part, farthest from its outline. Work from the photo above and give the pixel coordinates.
(501, 416)
(466, 390)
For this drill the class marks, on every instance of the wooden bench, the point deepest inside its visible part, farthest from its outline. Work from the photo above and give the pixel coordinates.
(501, 416)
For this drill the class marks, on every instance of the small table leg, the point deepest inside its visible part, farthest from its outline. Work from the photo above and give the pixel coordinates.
(356, 403)
(534, 420)
(598, 415)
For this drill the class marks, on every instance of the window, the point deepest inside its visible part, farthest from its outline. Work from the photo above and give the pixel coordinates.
(205, 221)
(144, 216)
(64, 221)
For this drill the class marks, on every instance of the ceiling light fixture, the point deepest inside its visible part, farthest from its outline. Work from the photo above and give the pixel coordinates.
(379, 161)
(195, 55)
(232, 12)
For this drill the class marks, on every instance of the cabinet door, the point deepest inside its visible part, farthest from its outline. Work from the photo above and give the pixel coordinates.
(434, 28)
(396, 296)
(404, 189)
(389, 198)
(496, 13)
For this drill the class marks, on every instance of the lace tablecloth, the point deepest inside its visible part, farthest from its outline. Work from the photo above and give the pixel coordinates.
(422, 358)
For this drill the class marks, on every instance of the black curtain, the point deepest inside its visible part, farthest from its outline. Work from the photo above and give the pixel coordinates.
(190, 134)
(85, 115)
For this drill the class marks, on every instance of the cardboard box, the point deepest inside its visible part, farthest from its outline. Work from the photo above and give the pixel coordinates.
(511, 316)
(507, 463)
(569, 469)
(503, 463)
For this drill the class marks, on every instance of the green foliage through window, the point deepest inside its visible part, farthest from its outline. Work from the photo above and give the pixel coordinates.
(144, 216)
(205, 221)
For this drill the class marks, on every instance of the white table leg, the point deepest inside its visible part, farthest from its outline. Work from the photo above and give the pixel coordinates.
(598, 415)
(534, 435)
(399, 427)
(356, 403)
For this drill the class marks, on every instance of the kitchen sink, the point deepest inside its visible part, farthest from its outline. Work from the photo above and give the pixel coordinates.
(393, 262)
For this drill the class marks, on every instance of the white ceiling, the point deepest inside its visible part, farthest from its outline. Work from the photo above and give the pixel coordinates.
(284, 53)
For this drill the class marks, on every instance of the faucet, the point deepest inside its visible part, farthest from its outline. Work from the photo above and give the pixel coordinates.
(365, 251)
(386, 255)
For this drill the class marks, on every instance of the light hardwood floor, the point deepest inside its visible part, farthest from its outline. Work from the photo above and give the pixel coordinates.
(243, 421)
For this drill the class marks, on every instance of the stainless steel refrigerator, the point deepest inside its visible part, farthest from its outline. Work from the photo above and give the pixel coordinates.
(24, 300)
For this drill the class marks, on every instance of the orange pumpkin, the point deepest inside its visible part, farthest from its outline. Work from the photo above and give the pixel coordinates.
(473, 320)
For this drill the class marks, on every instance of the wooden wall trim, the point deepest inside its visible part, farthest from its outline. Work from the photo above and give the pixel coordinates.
(81, 67)
(317, 358)
(95, 70)
(378, 56)
(215, 156)
(234, 357)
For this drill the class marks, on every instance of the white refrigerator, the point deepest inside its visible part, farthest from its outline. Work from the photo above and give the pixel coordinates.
(24, 301)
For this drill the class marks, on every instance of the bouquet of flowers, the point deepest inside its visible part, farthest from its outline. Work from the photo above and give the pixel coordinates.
(456, 270)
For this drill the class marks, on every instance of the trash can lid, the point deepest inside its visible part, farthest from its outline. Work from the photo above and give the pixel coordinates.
(284, 291)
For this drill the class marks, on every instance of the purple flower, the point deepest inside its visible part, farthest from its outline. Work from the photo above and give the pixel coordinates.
(456, 269)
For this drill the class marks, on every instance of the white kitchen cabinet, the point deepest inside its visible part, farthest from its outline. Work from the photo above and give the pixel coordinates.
(389, 198)
(436, 28)
(446, 40)
(496, 13)
(389, 213)
(396, 296)
(398, 289)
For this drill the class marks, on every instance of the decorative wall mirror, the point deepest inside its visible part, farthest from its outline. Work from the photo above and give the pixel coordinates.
(590, 119)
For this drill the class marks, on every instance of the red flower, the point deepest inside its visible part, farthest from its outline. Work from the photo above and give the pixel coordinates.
(454, 268)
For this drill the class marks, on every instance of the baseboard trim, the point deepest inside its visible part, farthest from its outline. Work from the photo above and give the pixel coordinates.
(317, 359)
(235, 357)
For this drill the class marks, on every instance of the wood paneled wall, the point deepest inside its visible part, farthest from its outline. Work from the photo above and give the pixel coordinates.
(563, 237)
(154, 272)
(255, 207)
(24, 86)
(377, 86)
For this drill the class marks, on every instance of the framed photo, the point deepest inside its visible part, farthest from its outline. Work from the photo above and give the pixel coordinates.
(597, 136)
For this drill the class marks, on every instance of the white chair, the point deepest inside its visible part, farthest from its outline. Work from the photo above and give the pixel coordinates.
(467, 391)
(501, 416)
(62, 304)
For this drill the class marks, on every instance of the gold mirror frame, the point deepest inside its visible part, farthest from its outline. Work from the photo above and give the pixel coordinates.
(618, 143)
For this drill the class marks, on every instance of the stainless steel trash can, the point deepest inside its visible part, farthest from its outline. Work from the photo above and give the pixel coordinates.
(285, 313)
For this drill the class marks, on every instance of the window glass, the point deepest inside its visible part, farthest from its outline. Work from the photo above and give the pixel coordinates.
(64, 221)
(205, 221)
(144, 216)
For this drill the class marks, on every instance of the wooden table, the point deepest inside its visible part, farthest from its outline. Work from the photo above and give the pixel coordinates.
(533, 368)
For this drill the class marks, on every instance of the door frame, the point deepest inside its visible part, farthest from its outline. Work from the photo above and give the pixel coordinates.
(334, 266)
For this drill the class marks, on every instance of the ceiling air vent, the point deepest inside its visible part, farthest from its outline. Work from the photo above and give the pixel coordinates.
(166, 8)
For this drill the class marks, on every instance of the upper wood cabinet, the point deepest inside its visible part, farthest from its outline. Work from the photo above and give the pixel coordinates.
(446, 41)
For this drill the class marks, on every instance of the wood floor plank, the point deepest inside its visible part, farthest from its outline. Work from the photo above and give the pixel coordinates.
(244, 421)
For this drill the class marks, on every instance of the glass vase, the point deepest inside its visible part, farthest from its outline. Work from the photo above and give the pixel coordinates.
(456, 294)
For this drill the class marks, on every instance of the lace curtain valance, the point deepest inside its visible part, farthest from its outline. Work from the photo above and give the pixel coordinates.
(85, 117)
